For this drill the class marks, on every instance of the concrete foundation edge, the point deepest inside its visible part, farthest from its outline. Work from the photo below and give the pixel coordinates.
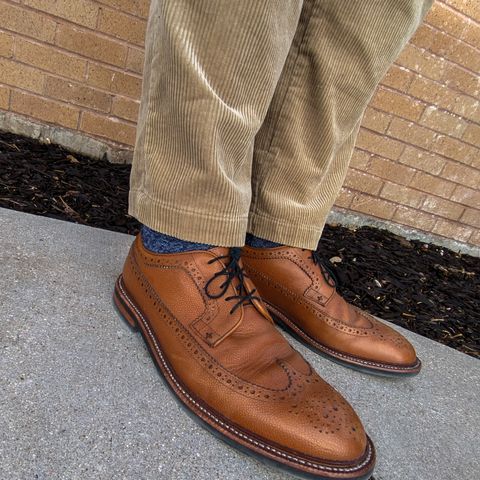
(355, 220)
(71, 140)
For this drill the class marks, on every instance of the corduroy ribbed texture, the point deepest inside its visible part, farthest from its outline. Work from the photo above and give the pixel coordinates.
(250, 112)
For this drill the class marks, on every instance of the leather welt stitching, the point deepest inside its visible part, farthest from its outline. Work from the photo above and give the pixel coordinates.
(228, 427)
(336, 353)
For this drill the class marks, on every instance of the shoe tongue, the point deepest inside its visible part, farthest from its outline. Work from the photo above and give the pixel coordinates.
(220, 252)
(324, 288)
(337, 306)
(215, 284)
(218, 264)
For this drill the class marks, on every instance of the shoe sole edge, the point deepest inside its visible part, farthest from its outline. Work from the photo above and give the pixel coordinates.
(137, 322)
(359, 364)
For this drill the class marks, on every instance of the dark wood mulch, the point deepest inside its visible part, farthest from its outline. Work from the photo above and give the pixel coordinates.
(428, 289)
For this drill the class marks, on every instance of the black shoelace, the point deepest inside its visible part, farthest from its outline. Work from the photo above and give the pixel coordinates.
(232, 270)
(328, 274)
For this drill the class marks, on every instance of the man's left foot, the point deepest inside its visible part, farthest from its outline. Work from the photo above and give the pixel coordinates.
(300, 293)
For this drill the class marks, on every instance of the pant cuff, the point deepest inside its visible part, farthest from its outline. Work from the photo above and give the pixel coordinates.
(225, 231)
(291, 234)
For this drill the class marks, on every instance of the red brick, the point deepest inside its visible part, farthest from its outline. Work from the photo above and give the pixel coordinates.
(125, 108)
(27, 22)
(402, 195)
(398, 104)
(433, 40)
(471, 8)
(444, 208)
(433, 92)
(465, 55)
(48, 58)
(475, 238)
(451, 229)
(374, 143)
(414, 218)
(425, 63)
(376, 120)
(120, 25)
(471, 34)
(91, 45)
(135, 60)
(455, 149)
(4, 97)
(344, 199)
(21, 76)
(422, 160)
(432, 184)
(447, 47)
(459, 79)
(466, 196)
(108, 127)
(114, 81)
(391, 170)
(411, 133)
(472, 134)
(467, 107)
(398, 77)
(471, 216)
(138, 8)
(77, 94)
(44, 109)
(81, 12)
(443, 121)
(446, 19)
(462, 174)
(360, 159)
(6, 45)
(372, 206)
(362, 182)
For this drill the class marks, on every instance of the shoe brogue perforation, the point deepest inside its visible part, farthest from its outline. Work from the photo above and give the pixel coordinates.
(242, 387)
(312, 291)
(294, 388)
(337, 353)
(334, 323)
(293, 294)
(253, 388)
(375, 329)
(364, 461)
(201, 323)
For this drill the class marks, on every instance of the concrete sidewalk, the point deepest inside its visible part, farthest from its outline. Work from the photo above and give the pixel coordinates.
(80, 397)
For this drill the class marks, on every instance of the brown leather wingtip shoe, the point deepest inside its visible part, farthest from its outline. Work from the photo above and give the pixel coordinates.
(218, 350)
(301, 295)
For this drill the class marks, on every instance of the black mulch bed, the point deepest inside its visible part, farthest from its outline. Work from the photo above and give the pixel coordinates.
(428, 289)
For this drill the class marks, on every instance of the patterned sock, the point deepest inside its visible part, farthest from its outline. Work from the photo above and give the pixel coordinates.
(162, 243)
(257, 242)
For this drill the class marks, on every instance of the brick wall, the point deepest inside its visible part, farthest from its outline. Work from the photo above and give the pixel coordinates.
(78, 64)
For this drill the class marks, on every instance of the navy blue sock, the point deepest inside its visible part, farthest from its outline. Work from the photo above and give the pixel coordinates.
(162, 243)
(257, 242)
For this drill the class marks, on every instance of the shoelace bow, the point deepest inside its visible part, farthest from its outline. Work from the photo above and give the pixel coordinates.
(232, 270)
(328, 274)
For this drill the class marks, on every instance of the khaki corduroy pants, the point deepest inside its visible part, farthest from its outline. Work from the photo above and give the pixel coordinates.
(250, 110)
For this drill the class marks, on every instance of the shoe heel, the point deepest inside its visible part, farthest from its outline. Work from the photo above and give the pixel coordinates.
(122, 303)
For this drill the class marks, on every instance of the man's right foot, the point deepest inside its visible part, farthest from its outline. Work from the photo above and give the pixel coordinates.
(219, 351)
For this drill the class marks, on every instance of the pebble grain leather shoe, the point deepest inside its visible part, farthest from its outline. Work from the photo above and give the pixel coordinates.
(220, 353)
(300, 294)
